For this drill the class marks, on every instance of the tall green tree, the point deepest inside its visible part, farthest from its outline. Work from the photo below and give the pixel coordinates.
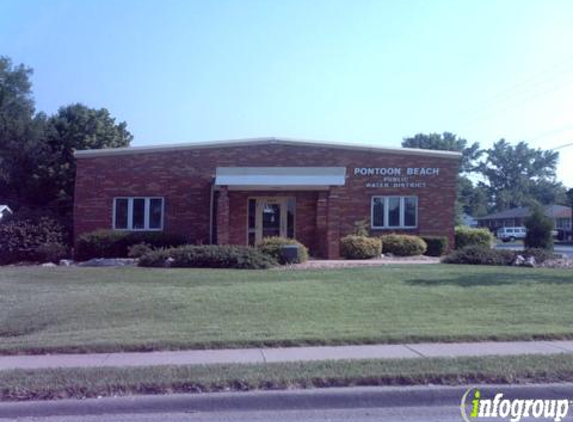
(21, 131)
(516, 175)
(447, 141)
(37, 166)
(72, 128)
(470, 199)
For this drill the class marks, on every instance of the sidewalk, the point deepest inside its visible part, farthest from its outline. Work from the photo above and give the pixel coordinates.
(287, 354)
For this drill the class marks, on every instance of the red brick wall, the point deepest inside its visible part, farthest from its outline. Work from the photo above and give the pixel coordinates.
(184, 178)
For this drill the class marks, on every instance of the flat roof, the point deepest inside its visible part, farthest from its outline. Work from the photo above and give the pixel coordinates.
(262, 141)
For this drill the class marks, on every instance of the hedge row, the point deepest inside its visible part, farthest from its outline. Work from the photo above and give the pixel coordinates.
(273, 246)
(208, 256)
(360, 247)
(480, 255)
(467, 236)
(364, 247)
(39, 240)
(116, 244)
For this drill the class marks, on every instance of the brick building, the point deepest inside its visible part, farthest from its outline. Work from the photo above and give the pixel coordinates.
(237, 192)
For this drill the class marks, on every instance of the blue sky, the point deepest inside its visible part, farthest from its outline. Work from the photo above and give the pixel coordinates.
(357, 71)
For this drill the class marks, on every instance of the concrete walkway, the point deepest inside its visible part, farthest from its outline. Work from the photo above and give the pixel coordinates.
(287, 354)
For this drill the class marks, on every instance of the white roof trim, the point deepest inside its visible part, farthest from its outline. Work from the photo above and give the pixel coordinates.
(262, 141)
(280, 176)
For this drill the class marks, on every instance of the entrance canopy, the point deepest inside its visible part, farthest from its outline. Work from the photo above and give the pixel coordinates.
(280, 178)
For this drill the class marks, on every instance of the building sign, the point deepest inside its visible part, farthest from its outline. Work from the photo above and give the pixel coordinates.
(397, 177)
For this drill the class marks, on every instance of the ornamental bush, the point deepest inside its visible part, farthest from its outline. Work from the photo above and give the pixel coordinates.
(467, 236)
(541, 255)
(403, 245)
(25, 240)
(272, 246)
(437, 245)
(208, 256)
(480, 255)
(539, 230)
(360, 247)
(115, 243)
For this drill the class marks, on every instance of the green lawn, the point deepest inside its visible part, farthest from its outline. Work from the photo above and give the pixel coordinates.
(111, 309)
(78, 383)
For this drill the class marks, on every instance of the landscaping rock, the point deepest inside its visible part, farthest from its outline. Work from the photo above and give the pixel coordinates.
(530, 262)
(519, 261)
(109, 262)
(65, 262)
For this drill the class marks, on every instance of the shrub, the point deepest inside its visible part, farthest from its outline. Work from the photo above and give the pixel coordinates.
(403, 245)
(138, 250)
(21, 239)
(539, 230)
(115, 244)
(208, 256)
(540, 255)
(272, 246)
(437, 245)
(480, 255)
(467, 236)
(360, 247)
(361, 228)
(52, 252)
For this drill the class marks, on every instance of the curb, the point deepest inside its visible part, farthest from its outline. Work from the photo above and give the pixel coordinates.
(328, 398)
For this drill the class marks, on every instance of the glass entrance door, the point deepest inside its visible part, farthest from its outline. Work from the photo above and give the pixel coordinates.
(270, 217)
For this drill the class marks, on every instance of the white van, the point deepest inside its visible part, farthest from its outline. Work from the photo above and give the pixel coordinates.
(509, 234)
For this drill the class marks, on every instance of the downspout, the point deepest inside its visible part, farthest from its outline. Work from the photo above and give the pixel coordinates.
(211, 208)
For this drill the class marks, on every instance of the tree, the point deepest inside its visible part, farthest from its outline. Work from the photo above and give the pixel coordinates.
(76, 127)
(37, 166)
(470, 199)
(447, 142)
(20, 133)
(539, 229)
(515, 175)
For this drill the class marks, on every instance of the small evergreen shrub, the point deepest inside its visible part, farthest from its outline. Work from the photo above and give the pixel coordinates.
(138, 250)
(539, 230)
(272, 246)
(52, 252)
(540, 255)
(480, 255)
(115, 243)
(467, 236)
(360, 247)
(403, 245)
(437, 245)
(208, 256)
(20, 240)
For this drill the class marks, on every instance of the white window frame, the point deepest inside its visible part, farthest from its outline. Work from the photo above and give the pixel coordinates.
(147, 205)
(386, 199)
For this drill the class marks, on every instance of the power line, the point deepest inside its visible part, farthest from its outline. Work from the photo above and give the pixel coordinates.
(562, 146)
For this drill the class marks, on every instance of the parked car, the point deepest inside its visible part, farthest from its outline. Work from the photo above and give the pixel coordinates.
(509, 234)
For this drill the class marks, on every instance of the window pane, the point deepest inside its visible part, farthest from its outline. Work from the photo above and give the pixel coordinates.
(138, 214)
(410, 205)
(394, 211)
(378, 213)
(121, 213)
(155, 211)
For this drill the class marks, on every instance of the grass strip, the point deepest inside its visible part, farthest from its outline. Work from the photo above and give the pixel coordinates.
(67, 309)
(47, 384)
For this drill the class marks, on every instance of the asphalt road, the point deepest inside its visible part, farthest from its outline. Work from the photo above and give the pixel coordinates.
(409, 414)
(358, 404)
(566, 250)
